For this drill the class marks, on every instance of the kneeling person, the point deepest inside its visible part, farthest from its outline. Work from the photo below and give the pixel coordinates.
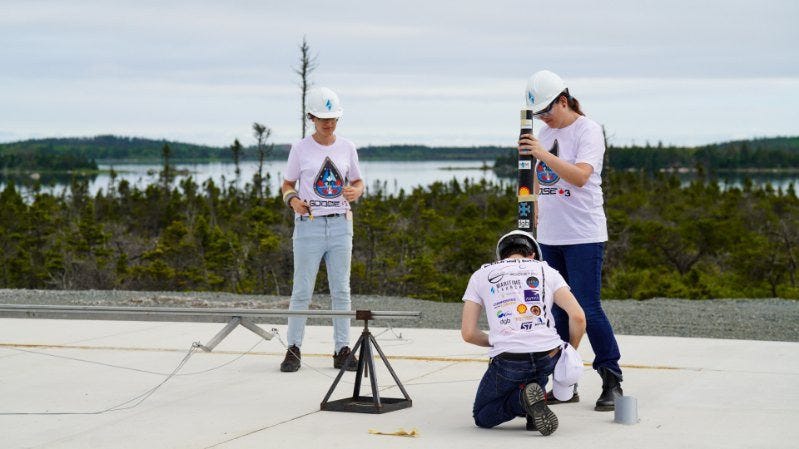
(517, 293)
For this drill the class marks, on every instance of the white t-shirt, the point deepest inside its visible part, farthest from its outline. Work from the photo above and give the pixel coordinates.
(567, 214)
(517, 296)
(322, 172)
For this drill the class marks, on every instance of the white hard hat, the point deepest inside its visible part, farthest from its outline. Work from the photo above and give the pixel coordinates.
(323, 103)
(542, 88)
(518, 237)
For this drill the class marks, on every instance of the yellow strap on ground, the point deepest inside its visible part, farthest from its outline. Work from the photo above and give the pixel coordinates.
(398, 433)
(426, 358)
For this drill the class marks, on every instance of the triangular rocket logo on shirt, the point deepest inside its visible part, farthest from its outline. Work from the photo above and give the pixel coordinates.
(546, 176)
(328, 183)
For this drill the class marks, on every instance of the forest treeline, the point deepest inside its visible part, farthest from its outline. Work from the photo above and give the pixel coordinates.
(68, 154)
(426, 153)
(35, 160)
(774, 153)
(76, 153)
(666, 239)
(43, 154)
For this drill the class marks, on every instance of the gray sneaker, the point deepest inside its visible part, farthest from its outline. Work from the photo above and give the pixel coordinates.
(534, 402)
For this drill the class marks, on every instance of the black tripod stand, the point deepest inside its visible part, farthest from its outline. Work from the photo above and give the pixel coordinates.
(366, 368)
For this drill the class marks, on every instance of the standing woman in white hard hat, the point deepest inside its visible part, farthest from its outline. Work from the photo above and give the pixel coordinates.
(322, 178)
(572, 228)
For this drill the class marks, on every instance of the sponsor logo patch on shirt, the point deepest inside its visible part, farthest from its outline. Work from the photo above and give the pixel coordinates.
(504, 302)
(531, 296)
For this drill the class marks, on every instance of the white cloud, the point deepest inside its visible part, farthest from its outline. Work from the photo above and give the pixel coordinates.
(426, 72)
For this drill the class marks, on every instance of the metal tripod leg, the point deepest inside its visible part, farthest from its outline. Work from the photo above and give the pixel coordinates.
(341, 373)
(366, 365)
(255, 328)
(235, 321)
(373, 378)
(221, 334)
(390, 369)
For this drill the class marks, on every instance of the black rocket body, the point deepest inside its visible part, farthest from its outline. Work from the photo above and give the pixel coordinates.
(525, 194)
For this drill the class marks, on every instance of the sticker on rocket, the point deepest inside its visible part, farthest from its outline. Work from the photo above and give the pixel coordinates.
(329, 183)
(545, 175)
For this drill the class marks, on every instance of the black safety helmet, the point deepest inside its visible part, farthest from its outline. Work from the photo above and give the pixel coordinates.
(521, 238)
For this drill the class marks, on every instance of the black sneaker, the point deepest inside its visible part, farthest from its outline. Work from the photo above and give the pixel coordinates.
(291, 362)
(534, 402)
(343, 357)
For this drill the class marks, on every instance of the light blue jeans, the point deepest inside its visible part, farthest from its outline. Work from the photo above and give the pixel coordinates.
(328, 238)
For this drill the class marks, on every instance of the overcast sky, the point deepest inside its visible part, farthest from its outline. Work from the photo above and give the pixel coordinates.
(427, 72)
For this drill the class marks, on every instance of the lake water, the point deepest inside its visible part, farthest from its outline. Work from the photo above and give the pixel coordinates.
(391, 175)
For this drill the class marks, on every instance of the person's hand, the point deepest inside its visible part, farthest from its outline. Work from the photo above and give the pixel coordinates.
(300, 206)
(352, 193)
(529, 146)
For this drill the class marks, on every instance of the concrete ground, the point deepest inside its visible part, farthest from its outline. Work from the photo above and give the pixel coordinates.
(691, 393)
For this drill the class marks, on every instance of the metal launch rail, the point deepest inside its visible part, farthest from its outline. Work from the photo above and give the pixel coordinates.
(248, 319)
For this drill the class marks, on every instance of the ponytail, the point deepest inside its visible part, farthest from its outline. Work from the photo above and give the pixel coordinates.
(574, 104)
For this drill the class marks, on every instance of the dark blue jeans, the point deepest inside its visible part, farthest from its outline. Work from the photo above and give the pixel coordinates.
(497, 399)
(581, 267)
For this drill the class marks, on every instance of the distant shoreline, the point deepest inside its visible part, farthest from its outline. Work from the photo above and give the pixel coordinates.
(750, 170)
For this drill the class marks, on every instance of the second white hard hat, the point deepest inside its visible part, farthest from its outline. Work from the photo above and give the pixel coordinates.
(543, 87)
(322, 102)
(518, 237)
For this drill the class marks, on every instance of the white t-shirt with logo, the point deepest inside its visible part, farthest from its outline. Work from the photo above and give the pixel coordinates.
(517, 295)
(567, 214)
(322, 172)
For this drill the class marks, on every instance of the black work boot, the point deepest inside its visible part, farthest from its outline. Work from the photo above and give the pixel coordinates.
(541, 417)
(340, 359)
(611, 389)
(291, 362)
(530, 426)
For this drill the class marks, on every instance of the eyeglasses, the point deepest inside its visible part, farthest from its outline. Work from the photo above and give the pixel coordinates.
(323, 120)
(547, 111)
